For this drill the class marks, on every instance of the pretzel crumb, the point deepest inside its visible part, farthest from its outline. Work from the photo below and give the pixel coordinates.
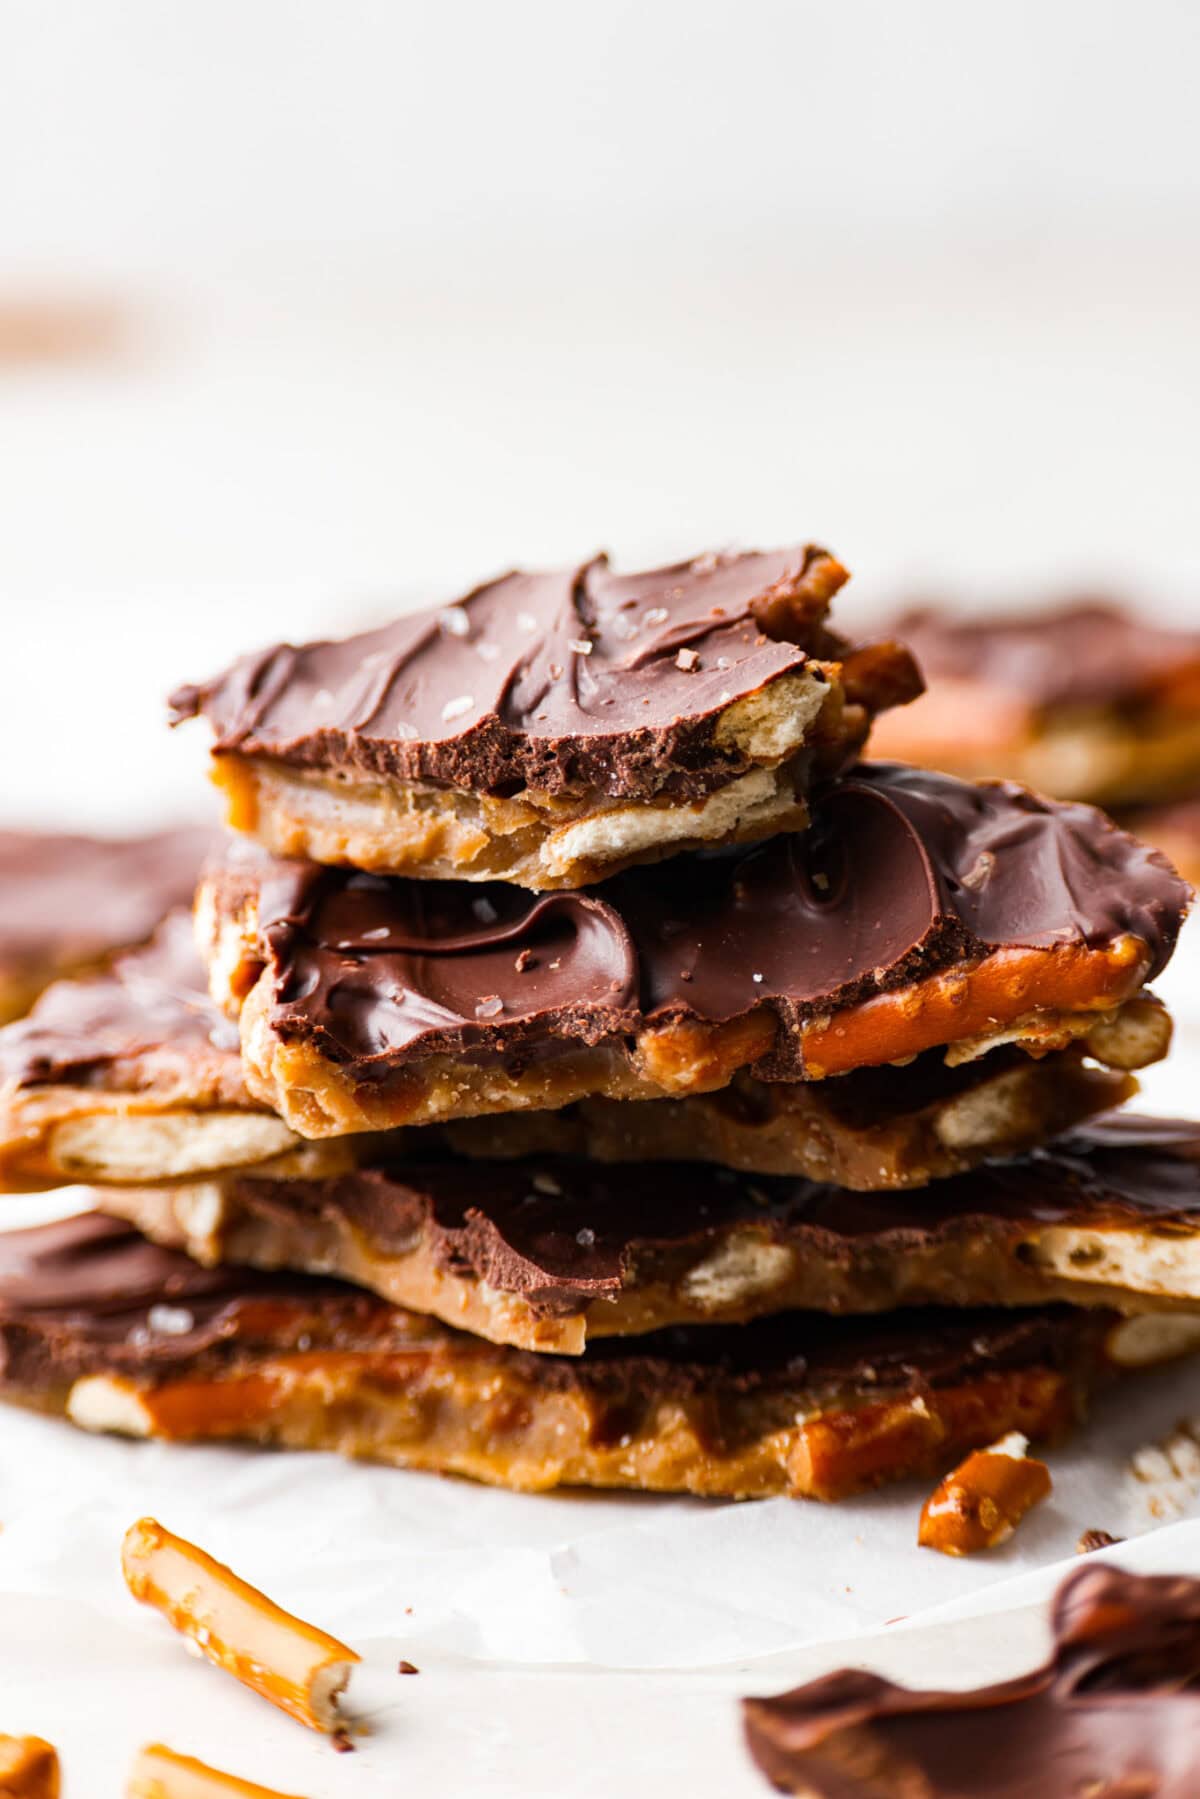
(297, 1667)
(159, 1773)
(1092, 1540)
(28, 1768)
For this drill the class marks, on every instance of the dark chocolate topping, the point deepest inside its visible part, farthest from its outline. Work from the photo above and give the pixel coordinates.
(562, 1231)
(88, 1295)
(69, 900)
(155, 998)
(1114, 1712)
(1089, 653)
(577, 679)
(903, 873)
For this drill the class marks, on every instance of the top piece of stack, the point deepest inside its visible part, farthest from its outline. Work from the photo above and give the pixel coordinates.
(552, 729)
(445, 985)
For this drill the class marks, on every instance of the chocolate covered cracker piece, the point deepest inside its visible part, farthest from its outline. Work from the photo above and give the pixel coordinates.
(918, 912)
(69, 903)
(550, 729)
(1114, 1713)
(136, 1077)
(120, 1335)
(549, 1253)
(1084, 701)
(133, 1075)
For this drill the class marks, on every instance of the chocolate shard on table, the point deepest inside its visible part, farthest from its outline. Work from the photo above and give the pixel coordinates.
(70, 903)
(136, 1077)
(918, 912)
(121, 1335)
(1086, 701)
(1114, 1711)
(552, 1252)
(550, 729)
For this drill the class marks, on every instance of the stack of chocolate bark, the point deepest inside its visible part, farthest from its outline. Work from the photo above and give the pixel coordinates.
(584, 1069)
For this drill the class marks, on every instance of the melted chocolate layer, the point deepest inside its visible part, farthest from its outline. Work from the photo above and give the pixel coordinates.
(90, 1295)
(562, 1232)
(575, 680)
(903, 873)
(69, 900)
(1113, 1712)
(1089, 654)
(155, 998)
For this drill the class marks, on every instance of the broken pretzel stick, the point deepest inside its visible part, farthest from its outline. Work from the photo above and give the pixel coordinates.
(158, 1773)
(28, 1768)
(983, 1501)
(297, 1667)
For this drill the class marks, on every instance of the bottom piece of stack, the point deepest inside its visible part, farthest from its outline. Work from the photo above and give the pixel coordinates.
(669, 1327)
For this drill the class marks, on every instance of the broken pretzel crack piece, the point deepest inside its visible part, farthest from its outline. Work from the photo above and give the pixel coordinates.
(28, 1768)
(981, 1503)
(297, 1667)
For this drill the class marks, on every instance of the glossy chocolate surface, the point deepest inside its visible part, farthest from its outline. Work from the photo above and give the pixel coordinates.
(1115, 1712)
(903, 873)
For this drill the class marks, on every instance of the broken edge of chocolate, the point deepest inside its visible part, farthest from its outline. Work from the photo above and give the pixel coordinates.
(1115, 1710)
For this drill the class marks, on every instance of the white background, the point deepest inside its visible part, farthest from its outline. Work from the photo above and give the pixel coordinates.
(401, 295)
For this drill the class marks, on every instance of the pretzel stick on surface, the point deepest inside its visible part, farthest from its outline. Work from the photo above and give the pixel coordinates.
(159, 1773)
(28, 1768)
(297, 1667)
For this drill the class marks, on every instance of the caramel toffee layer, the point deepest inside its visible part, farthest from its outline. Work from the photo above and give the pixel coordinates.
(872, 1129)
(1086, 702)
(917, 911)
(549, 1253)
(1113, 1712)
(579, 679)
(122, 1335)
(136, 1077)
(68, 903)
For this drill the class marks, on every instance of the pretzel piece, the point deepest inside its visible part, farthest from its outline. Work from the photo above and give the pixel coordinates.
(981, 1503)
(297, 1667)
(159, 1773)
(28, 1768)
